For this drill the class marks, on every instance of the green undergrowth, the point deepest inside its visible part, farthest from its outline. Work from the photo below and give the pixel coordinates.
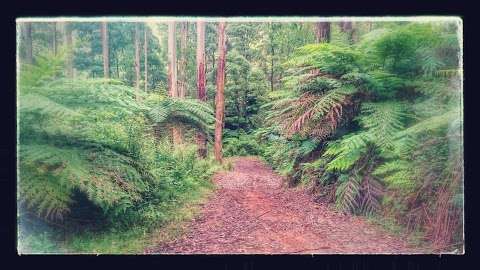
(137, 239)
(175, 216)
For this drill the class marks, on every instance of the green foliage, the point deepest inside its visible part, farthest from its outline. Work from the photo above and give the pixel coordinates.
(328, 58)
(383, 121)
(384, 111)
(243, 145)
(372, 121)
(94, 137)
(187, 111)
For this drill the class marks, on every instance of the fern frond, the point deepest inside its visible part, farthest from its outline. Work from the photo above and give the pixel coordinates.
(371, 191)
(383, 121)
(191, 112)
(347, 195)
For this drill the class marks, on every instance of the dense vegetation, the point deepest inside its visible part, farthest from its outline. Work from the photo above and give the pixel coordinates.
(368, 118)
(376, 127)
(88, 153)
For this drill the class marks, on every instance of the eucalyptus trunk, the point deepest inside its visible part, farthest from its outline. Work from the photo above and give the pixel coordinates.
(219, 97)
(182, 63)
(145, 58)
(67, 35)
(201, 83)
(28, 43)
(322, 32)
(137, 61)
(172, 76)
(106, 60)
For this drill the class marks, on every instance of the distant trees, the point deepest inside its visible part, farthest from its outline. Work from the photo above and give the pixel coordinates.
(219, 97)
(347, 27)
(182, 63)
(201, 82)
(106, 60)
(145, 59)
(322, 31)
(28, 42)
(68, 40)
(137, 60)
(54, 38)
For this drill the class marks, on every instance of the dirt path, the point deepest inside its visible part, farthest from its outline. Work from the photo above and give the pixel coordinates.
(252, 213)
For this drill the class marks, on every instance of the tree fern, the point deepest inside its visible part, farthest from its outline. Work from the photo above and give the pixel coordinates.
(92, 136)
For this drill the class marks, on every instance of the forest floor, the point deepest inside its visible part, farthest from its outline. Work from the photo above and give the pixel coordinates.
(252, 212)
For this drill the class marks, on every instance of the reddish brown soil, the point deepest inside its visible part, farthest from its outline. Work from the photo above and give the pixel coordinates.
(251, 212)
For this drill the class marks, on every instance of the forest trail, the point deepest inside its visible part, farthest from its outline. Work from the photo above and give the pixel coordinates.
(251, 212)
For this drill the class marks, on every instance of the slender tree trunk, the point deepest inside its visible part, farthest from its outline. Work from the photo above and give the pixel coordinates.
(67, 35)
(137, 61)
(28, 43)
(54, 39)
(106, 60)
(272, 50)
(182, 65)
(347, 27)
(115, 56)
(322, 32)
(219, 97)
(145, 60)
(172, 75)
(201, 83)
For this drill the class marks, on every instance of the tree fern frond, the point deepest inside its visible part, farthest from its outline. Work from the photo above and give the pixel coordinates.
(383, 121)
(347, 195)
(372, 190)
(191, 112)
(431, 124)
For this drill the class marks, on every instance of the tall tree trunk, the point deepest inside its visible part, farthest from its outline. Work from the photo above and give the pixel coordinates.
(67, 35)
(28, 43)
(322, 31)
(201, 83)
(117, 69)
(106, 60)
(137, 62)
(370, 26)
(347, 27)
(172, 75)
(272, 56)
(182, 63)
(54, 39)
(219, 97)
(145, 60)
